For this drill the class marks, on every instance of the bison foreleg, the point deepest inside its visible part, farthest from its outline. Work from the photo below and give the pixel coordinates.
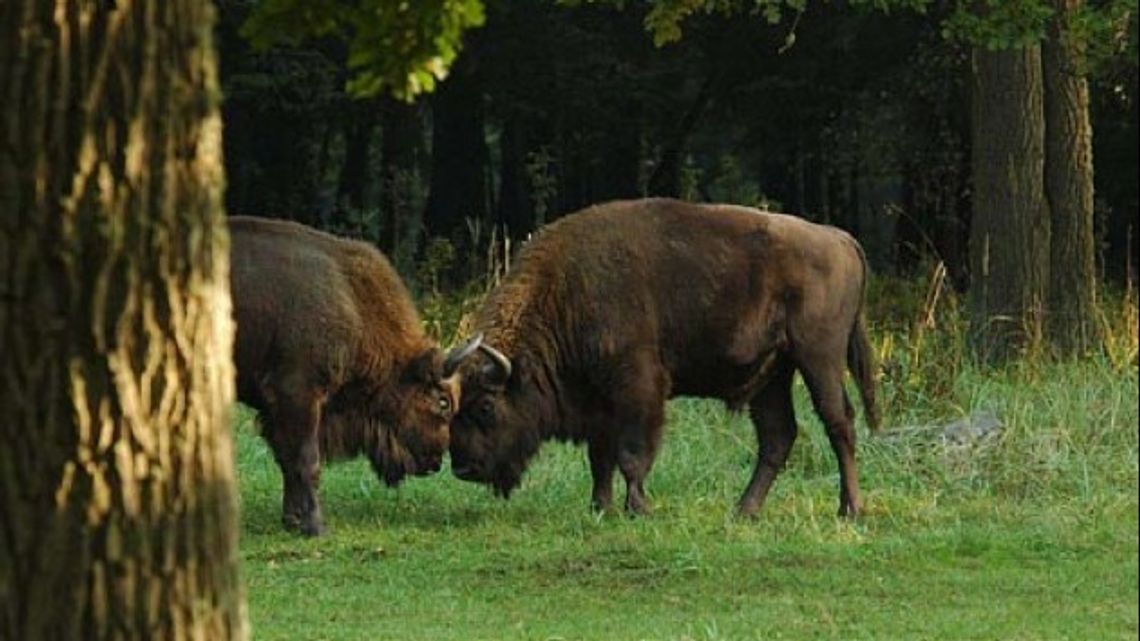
(637, 450)
(297, 450)
(603, 460)
(635, 467)
(637, 393)
(774, 418)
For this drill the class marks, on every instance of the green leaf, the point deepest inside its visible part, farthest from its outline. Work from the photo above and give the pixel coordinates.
(399, 46)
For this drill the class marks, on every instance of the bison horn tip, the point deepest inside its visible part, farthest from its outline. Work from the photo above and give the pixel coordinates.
(458, 354)
(501, 363)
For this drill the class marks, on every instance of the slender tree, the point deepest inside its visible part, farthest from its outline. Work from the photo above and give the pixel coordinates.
(400, 143)
(116, 460)
(359, 124)
(1071, 320)
(1009, 233)
(459, 154)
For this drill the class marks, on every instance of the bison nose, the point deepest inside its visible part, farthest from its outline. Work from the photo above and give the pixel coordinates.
(429, 465)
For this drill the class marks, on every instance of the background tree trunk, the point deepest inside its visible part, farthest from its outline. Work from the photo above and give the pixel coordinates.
(516, 212)
(116, 459)
(400, 144)
(1071, 319)
(666, 177)
(1009, 236)
(356, 176)
(459, 154)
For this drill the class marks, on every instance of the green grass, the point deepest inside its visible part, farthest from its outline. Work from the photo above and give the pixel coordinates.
(1032, 535)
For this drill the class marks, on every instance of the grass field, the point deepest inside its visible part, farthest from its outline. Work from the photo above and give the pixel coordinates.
(1031, 534)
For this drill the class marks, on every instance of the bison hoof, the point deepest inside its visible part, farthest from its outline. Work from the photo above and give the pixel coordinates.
(601, 505)
(313, 528)
(638, 508)
(305, 526)
(747, 513)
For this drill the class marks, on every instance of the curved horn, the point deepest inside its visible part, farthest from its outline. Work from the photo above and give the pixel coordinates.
(458, 354)
(502, 363)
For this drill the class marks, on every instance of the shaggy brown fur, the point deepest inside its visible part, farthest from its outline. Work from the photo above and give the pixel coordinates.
(331, 352)
(610, 311)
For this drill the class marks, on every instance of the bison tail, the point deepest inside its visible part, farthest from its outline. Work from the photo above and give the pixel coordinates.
(861, 363)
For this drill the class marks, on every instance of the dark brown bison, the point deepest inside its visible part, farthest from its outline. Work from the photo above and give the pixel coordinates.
(610, 311)
(331, 352)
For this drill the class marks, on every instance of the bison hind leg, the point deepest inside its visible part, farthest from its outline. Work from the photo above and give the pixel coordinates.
(773, 417)
(824, 379)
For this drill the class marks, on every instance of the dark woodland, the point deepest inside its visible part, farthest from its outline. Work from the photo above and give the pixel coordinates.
(864, 123)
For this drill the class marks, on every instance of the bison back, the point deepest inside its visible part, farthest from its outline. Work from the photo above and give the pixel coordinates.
(713, 289)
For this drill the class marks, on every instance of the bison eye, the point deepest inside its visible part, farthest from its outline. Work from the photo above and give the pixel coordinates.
(487, 410)
(444, 404)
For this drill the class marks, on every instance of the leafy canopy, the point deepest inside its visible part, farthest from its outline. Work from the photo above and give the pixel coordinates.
(400, 46)
(406, 46)
(993, 24)
(664, 17)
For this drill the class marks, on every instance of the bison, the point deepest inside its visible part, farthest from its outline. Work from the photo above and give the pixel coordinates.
(331, 352)
(610, 311)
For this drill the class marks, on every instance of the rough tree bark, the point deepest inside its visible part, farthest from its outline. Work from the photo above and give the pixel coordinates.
(1071, 318)
(116, 460)
(1009, 235)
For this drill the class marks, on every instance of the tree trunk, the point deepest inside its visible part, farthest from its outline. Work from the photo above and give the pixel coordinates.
(400, 140)
(353, 189)
(666, 178)
(1009, 236)
(516, 212)
(459, 154)
(616, 171)
(1071, 320)
(116, 460)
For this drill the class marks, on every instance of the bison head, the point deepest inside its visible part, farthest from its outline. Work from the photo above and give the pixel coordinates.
(420, 408)
(495, 432)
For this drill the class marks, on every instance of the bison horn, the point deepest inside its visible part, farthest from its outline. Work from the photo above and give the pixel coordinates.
(458, 354)
(502, 363)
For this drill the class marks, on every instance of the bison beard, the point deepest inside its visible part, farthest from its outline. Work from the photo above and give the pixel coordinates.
(331, 352)
(611, 311)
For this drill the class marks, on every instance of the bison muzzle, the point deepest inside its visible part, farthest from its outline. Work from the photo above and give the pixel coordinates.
(611, 311)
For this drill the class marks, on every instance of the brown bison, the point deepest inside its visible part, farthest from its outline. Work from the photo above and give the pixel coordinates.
(610, 311)
(331, 352)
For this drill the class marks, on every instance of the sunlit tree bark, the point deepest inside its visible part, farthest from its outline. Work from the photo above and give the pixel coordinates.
(118, 517)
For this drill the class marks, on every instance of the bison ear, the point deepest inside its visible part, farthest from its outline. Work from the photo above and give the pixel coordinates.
(424, 368)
